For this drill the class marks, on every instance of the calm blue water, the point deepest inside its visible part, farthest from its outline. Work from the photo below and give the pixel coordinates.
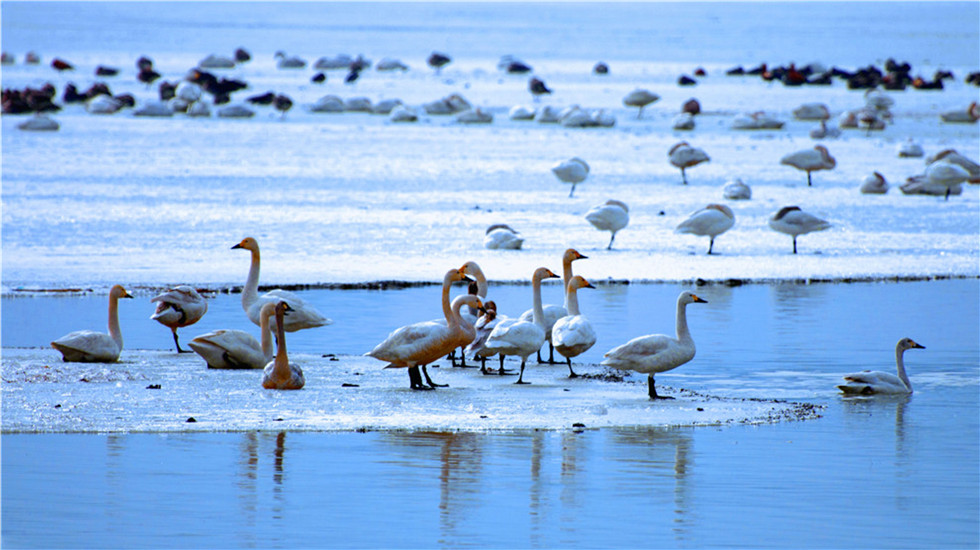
(892, 472)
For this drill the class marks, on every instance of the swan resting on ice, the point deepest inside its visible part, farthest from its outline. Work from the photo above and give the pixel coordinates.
(87, 346)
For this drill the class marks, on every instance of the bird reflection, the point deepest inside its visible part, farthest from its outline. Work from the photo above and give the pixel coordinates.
(251, 452)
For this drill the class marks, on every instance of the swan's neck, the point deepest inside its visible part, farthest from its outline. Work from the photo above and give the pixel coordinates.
(900, 363)
(538, 308)
(114, 330)
(566, 276)
(460, 322)
(446, 309)
(251, 291)
(266, 336)
(683, 334)
(281, 368)
(481, 283)
(571, 301)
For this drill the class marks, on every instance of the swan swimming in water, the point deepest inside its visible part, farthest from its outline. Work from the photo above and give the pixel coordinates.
(280, 374)
(87, 346)
(872, 382)
(573, 334)
(179, 307)
(237, 349)
(657, 352)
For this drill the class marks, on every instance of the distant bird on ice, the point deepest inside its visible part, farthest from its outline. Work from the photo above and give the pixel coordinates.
(710, 221)
(684, 156)
(612, 216)
(501, 236)
(573, 171)
(537, 87)
(640, 98)
(181, 306)
(795, 222)
(810, 160)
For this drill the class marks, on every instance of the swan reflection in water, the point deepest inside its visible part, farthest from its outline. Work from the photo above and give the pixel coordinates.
(255, 452)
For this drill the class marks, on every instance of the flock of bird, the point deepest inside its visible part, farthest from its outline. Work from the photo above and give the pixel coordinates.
(470, 324)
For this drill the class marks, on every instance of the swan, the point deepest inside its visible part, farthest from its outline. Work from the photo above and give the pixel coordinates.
(811, 111)
(710, 221)
(501, 236)
(810, 160)
(872, 382)
(521, 112)
(386, 106)
(86, 346)
(640, 98)
(39, 123)
(970, 115)
(758, 120)
(301, 314)
(611, 216)
(554, 312)
(403, 113)
(657, 352)
(683, 121)
(178, 307)
(474, 116)
(910, 149)
(793, 221)
(237, 349)
(683, 156)
(823, 131)
(472, 268)
(952, 156)
(280, 374)
(874, 184)
(737, 190)
(215, 61)
(448, 105)
(284, 61)
(520, 337)
(482, 329)
(573, 334)
(547, 115)
(947, 175)
(419, 344)
(573, 171)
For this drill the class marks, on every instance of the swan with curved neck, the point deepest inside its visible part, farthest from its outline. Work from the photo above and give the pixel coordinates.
(237, 349)
(416, 345)
(573, 334)
(657, 352)
(280, 374)
(302, 315)
(87, 346)
(554, 312)
(517, 336)
(181, 306)
(483, 327)
(873, 382)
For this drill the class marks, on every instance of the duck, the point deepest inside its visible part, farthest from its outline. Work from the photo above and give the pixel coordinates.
(612, 216)
(875, 382)
(520, 337)
(87, 346)
(910, 149)
(657, 352)
(810, 160)
(415, 346)
(573, 334)
(640, 98)
(554, 312)
(970, 115)
(573, 171)
(482, 329)
(791, 220)
(683, 156)
(710, 221)
(501, 236)
(280, 374)
(537, 87)
(874, 184)
(737, 190)
(438, 60)
(237, 349)
(178, 307)
(301, 316)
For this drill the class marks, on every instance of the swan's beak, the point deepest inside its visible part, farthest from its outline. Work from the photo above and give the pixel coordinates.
(126, 295)
(239, 245)
(917, 345)
(698, 299)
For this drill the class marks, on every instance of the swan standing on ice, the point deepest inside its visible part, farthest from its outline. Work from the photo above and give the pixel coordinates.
(573, 334)
(946, 175)
(793, 221)
(554, 312)
(237, 349)
(657, 352)
(872, 382)
(280, 374)
(301, 315)
(519, 337)
(810, 160)
(419, 344)
(640, 98)
(501, 236)
(684, 156)
(87, 346)
(874, 184)
(611, 216)
(710, 221)
(178, 307)
(573, 171)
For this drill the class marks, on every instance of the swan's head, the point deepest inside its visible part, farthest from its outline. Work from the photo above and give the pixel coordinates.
(503, 226)
(455, 275)
(542, 273)
(571, 255)
(248, 243)
(723, 209)
(621, 204)
(578, 282)
(471, 268)
(471, 300)
(783, 211)
(282, 309)
(908, 343)
(678, 146)
(690, 298)
(118, 291)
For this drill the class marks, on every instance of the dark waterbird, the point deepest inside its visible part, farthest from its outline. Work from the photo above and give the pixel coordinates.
(537, 87)
(102, 70)
(62, 65)
(438, 60)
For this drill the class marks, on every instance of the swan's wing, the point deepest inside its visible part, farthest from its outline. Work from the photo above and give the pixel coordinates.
(87, 345)
(408, 341)
(229, 349)
(637, 352)
(573, 331)
(870, 382)
(172, 303)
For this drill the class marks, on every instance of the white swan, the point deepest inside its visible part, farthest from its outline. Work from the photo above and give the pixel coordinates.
(472, 268)
(474, 116)
(518, 337)
(573, 171)
(237, 349)
(482, 329)
(737, 190)
(573, 334)
(554, 312)
(810, 160)
(39, 123)
(946, 175)
(872, 382)
(640, 98)
(657, 352)
(419, 344)
(759, 120)
(824, 131)
(301, 314)
(710, 221)
(86, 346)
(953, 157)
(969, 115)
(501, 236)
(683, 156)
(611, 216)
(683, 121)
(811, 111)
(874, 184)
(521, 112)
(284, 61)
(178, 307)
(280, 374)
(793, 221)
(910, 149)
